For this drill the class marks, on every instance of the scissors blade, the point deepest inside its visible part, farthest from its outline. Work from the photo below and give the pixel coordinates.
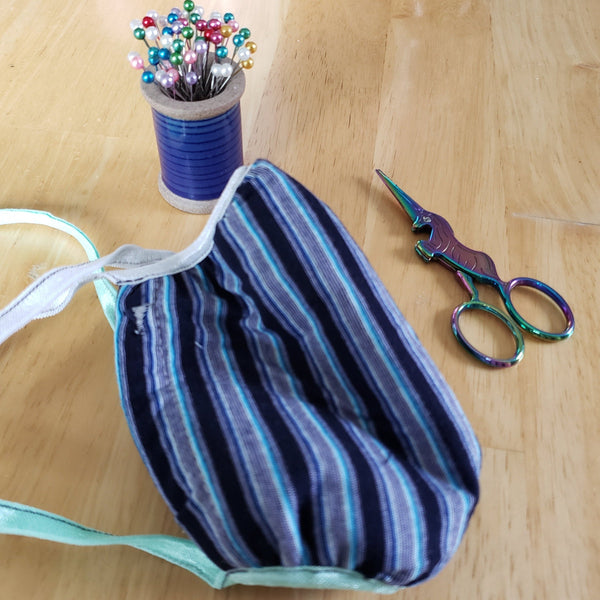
(413, 209)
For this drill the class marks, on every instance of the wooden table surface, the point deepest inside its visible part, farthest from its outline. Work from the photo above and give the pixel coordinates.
(487, 112)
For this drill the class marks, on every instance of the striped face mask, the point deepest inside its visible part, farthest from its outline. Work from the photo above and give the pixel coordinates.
(286, 411)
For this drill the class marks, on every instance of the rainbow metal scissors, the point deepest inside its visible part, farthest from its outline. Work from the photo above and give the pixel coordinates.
(472, 265)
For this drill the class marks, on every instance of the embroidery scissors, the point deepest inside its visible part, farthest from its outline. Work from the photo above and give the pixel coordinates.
(473, 266)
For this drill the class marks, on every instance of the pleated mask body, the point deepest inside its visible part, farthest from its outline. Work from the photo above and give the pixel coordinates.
(286, 410)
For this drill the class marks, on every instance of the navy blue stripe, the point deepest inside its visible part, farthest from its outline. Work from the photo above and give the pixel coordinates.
(310, 522)
(439, 417)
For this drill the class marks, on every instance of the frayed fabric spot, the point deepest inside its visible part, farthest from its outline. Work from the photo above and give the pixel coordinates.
(139, 314)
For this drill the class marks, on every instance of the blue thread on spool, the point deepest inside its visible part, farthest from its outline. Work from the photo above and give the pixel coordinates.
(199, 144)
(197, 158)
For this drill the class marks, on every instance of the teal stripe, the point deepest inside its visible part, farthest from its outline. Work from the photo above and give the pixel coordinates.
(416, 522)
(122, 381)
(414, 347)
(281, 369)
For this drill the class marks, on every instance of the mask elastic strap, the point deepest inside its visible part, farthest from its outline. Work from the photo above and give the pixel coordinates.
(19, 519)
(107, 294)
(50, 293)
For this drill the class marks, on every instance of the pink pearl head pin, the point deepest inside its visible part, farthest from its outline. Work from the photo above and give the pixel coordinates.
(136, 61)
(190, 57)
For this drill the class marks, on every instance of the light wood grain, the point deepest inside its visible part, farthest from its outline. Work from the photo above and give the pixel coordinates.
(486, 112)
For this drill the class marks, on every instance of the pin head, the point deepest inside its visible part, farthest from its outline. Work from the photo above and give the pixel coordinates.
(191, 78)
(190, 57)
(217, 70)
(216, 37)
(152, 34)
(243, 53)
(137, 62)
(200, 46)
(187, 33)
(166, 40)
(176, 59)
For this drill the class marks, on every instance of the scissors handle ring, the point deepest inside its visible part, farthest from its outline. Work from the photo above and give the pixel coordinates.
(552, 294)
(488, 360)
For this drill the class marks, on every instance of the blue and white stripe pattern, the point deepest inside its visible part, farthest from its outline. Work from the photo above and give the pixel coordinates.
(286, 410)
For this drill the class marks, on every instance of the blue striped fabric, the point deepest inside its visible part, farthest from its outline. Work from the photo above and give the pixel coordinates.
(283, 405)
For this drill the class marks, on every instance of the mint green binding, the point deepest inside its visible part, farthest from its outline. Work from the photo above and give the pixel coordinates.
(20, 519)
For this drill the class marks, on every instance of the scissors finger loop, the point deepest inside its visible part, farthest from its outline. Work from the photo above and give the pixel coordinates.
(488, 360)
(552, 294)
